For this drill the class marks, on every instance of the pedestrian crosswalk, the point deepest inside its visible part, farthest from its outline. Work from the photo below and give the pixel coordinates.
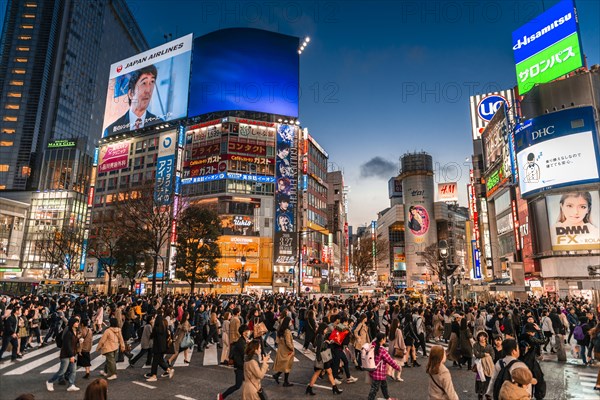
(580, 382)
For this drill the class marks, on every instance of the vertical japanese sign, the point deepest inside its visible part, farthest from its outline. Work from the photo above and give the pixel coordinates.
(165, 168)
(286, 196)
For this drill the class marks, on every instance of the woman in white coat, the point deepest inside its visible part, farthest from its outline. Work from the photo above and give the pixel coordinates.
(225, 338)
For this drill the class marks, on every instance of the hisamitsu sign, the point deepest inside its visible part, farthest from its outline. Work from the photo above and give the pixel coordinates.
(547, 47)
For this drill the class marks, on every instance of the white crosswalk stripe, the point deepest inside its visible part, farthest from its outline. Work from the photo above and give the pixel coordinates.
(581, 382)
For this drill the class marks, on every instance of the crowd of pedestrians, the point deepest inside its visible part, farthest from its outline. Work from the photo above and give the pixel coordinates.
(501, 341)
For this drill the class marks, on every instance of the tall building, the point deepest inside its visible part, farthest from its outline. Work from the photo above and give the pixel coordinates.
(54, 68)
(337, 223)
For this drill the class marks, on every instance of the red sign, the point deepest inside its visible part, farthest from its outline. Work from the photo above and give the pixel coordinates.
(253, 122)
(205, 124)
(205, 151)
(516, 225)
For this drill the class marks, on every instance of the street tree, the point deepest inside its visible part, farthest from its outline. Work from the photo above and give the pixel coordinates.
(132, 258)
(61, 248)
(105, 233)
(198, 229)
(148, 218)
(363, 259)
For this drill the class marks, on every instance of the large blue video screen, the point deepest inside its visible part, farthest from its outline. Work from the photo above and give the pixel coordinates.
(244, 69)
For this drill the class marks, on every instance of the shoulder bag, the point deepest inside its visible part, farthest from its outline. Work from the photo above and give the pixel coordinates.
(437, 384)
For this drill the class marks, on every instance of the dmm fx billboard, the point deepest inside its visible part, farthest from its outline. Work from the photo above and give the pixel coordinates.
(484, 106)
(574, 218)
(165, 168)
(547, 47)
(557, 150)
(149, 88)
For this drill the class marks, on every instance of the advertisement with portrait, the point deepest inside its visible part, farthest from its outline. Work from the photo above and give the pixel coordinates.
(245, 69)
(418, 195)
(547, 47)
(113, 157)
(286, 197)
(574, 219)
(484, 106)
(148, 88)
(557, 150)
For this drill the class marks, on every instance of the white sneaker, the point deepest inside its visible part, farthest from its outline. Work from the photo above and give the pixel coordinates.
(153, 378)
(50, 386)
(102, 373)
(351, 379)
(337, 382)
(73, 388)
(171, 373)
(112, 377)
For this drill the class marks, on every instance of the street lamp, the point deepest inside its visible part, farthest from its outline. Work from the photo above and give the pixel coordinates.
(244, 275)
(443, 249)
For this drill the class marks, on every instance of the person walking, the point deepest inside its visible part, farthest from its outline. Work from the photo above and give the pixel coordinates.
(310, 328)
(440, 380)
(284, 359)
(595, 338)
(145, 343)
(9, 334)
(484, 361)
(465, 346)
(254, 370)
(160, 336)
(237, 354)
(183, 329)
(85, 347)
(382, 360)
(397, 349)
(438, 326)
(361, 336)
(321, 350)
(67, 357)
(110, 343)
(225, 338)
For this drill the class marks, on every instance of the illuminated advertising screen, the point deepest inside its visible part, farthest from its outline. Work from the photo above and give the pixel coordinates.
(114, 156)
(245, 69)
(286, 197)
(148, 88)
(547, 47)
(574, 219)
(165, 168)
(399, 259)
(557, 150)
(239, 225)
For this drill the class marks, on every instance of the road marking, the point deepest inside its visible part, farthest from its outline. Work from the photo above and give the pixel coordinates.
(309, 354)
(182, 397)
(38, 352)
(144, 385)
(96, 362)
(181, 356)
(125, 363)
(34, 364)
(210, 355)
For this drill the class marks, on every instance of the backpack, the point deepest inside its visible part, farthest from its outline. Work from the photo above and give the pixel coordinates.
(503, 375)
(367, 357)
(59, 338)
(578, 333)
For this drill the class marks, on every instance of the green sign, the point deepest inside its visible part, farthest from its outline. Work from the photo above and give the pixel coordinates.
(495, 179)
(554, 61)
(61, 143)
(10, 270)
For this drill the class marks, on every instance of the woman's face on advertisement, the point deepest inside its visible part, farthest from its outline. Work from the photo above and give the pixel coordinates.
(575, 209)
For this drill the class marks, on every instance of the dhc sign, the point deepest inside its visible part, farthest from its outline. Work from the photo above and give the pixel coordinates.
(488, 106)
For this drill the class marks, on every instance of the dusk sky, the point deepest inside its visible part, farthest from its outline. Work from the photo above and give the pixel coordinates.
(382, 78)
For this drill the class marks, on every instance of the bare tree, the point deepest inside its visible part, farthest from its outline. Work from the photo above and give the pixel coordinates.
(197, 248)
(61, 247)
(434, 264)
(362, 257)
(103, 242)
(148, 219)
(132, 258)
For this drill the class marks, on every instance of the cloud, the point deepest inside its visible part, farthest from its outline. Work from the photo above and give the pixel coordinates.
(378, 167)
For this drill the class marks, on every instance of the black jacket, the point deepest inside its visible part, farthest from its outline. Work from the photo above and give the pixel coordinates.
(237, 353)
(69, 344)
(10, 325)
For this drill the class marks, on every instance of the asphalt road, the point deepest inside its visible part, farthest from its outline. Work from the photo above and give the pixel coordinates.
(204, 379)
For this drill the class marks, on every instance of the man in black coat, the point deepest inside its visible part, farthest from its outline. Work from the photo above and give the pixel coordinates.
(236, 354)
(9, 333)
(68, 351)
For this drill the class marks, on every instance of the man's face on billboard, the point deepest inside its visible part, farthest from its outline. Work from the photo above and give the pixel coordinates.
(141, 96)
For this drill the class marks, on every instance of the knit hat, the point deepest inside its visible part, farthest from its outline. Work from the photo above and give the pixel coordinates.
(522, 376)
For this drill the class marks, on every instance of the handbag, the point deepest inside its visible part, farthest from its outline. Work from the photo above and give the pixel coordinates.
(398, 352)
(260, 329)
(187, 342)
(262, 395)
(319, 364)
(326, 355)
(170, 345)
(338, 336)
